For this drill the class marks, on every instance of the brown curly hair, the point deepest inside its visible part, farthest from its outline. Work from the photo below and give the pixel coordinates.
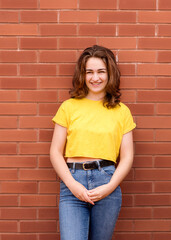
(80, 89)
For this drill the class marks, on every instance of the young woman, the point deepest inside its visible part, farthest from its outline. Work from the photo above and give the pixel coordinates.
(91, 129)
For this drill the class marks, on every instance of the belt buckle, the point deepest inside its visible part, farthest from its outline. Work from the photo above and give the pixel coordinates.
(84, 166)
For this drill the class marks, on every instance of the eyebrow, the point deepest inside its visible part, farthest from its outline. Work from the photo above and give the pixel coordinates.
(89, 69)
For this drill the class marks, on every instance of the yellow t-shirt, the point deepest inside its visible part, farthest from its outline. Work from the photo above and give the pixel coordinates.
(93, 130)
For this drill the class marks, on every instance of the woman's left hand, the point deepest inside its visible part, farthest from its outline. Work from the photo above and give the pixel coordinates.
(100, 192)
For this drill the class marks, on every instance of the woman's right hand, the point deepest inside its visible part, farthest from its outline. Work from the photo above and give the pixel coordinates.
(80, 192)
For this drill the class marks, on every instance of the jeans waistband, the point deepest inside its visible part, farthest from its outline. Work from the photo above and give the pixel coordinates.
(90, 164)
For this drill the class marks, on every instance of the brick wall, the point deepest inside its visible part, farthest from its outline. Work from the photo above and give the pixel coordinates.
(40, 41)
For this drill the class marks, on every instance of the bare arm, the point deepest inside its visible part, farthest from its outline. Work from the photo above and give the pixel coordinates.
(126, 160)
(60, 166)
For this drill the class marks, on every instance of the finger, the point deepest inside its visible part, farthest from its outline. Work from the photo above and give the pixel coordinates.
(87, 198)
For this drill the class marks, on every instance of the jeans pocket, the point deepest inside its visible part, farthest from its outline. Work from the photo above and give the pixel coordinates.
(109, 170)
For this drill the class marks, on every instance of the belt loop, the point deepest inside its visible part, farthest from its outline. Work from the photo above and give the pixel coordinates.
(73, 169)
(98, 164)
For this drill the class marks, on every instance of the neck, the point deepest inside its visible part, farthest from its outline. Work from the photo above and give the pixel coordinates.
(95, 97)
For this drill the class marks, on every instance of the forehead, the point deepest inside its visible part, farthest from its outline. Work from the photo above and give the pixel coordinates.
(95, 63)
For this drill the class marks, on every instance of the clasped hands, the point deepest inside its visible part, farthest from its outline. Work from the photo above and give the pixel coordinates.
(92, 195)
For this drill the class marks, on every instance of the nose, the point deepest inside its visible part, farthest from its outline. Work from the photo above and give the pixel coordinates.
(95, 76)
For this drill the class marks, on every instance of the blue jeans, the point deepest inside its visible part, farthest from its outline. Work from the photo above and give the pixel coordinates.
(82, 221)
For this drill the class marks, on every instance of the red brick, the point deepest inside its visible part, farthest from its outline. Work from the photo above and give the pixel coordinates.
(18, 213)
(49, 236)
(19, 236)
(58, 29)
(164, 4)
(78, 16)
(18, 187)
(36, 122)
(118, 43)
(127, 200)
(163, 236)
(17, 161)
(97, 30)
(53, 4)
(153, 174)
(154, 69)
(136, 187)
(152, 225)
(8, 96)
(63, 95)
(8, 43)
(8, 69)
(38, 43)
(39, 16)
(142, 109)
(37, 69)
(66, 69)
(18, 108)
(164, 56)
(38, 96)
(45, 135)
(8, 226)
(162, 187)
(44, 162)
(118, 17)
(164, 83)
(133, 4)
(8, 148)
(57, 56)
(8, 16)
(153, 122)
(38, 200)
(138, 82)
(137, 56)
(48, 213)
(8, 122)
(18, 29)
(136, 30)
(76, 43)
(18, 135)
(38, 226)
(34, 148)
(152, 200)
(153, 148)
(47, 109)
(135, 213)
(163, 135)
(56, 82)
(49, 187)
(8, 200)
(18, 56)
(154, 96)
(164, 30)
(143, 135)
(18, 4)
(133, 236)
(128, 96)
(98, 4)
(127, 69)
(18, 83)
(143, 161)
(124, 226)
(162, 212)
(39, 174)
(162, 161)
(8, 174)
(154, 43)
(154, 17)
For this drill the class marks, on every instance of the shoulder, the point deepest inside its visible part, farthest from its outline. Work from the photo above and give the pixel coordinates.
(69, 103)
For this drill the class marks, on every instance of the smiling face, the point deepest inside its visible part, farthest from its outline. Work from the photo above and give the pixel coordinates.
(96, 78)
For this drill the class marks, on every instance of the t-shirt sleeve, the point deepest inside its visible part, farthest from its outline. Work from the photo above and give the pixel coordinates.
(61, 116)
(129, 123)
